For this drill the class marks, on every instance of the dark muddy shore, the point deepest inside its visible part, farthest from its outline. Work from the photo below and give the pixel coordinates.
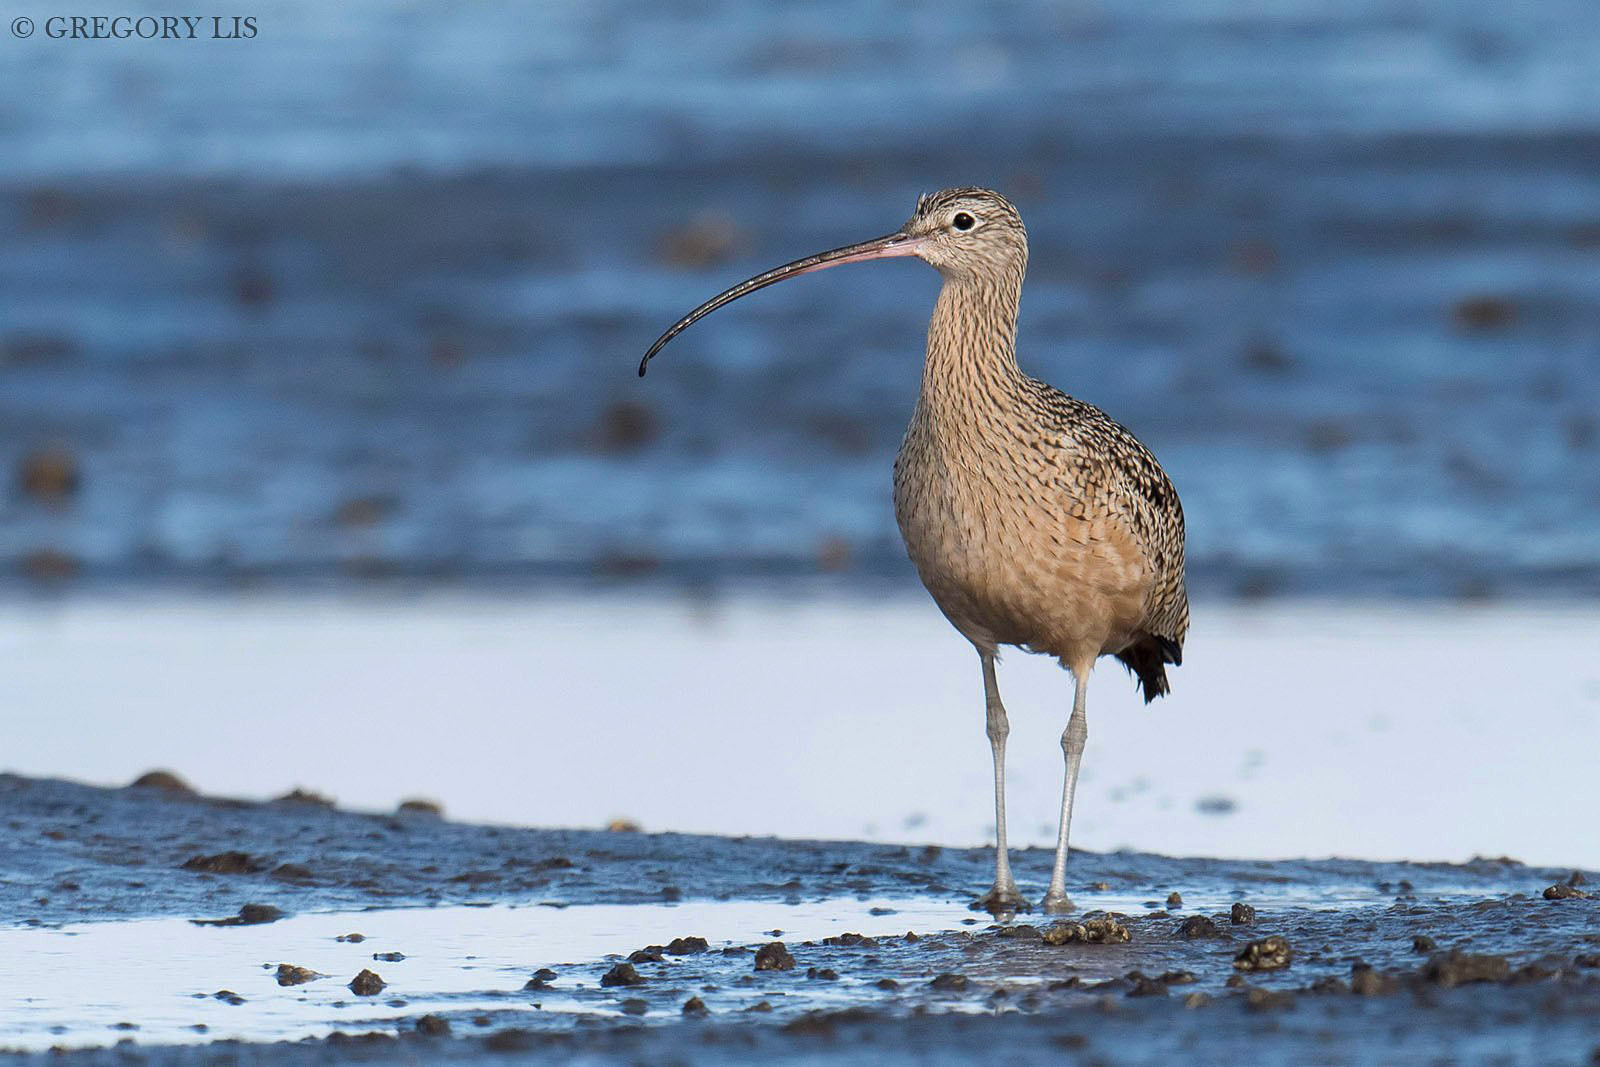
(1341, 961)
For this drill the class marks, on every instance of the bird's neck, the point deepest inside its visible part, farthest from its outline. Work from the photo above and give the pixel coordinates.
(971, 365)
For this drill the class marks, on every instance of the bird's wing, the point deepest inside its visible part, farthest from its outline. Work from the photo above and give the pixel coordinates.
(1141, 493)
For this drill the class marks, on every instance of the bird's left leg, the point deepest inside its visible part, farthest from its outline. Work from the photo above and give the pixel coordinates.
(1072, 742)
(1003, 899)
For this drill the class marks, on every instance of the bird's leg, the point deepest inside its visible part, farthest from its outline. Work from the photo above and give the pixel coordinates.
(1003, 898)
(1072, 741)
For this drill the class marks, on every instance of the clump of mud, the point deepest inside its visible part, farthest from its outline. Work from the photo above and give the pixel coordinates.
(622, 974)
(232, 862)
(848, 940)
(1365, 981)
(774, 957)
(1269, 954)
(1258, 999)
(420, 806)
(541, 979)
(1458, 968)
(165, 781)
(289, 974)
(1196, 927)
(249, 915)
(298, 797)
(1104, 930)
(1143, 985)
(1563, 891)
(367, 984)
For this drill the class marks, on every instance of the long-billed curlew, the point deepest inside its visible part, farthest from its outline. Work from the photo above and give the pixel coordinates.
(1033, 519)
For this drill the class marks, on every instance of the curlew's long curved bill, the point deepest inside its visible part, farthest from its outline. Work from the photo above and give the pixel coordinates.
(893, 244)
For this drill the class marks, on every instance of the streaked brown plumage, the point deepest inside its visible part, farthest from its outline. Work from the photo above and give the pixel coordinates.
(1033, 519)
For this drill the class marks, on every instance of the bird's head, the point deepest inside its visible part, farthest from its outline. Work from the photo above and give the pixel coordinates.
(967, 234)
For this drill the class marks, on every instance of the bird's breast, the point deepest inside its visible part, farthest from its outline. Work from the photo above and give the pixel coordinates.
(1016, 546)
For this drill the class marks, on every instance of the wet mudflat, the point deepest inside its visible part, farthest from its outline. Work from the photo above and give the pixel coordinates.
(406, 938)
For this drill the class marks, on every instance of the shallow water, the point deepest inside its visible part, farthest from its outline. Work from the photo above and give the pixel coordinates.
(76, 984)
(72, 985)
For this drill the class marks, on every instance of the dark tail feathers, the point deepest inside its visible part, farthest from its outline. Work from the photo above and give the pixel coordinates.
(1147, 659)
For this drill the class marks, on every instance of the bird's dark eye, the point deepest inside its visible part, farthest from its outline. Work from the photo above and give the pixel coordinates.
(963, 221)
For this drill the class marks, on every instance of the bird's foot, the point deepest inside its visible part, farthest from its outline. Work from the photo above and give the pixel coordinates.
(1056, 902)
(1002, 901)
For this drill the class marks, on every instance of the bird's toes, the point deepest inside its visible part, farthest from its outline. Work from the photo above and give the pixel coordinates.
(1056, 903)
(1002, 903)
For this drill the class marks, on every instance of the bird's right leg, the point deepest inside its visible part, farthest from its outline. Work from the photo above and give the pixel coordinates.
(1003, 899)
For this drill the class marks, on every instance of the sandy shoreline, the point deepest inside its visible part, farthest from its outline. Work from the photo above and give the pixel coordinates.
(1503, 970)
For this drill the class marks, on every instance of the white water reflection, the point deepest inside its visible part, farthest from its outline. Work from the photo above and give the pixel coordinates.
(1417, 731)
(75, 984)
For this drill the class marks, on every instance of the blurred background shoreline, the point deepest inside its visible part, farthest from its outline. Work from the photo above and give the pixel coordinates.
(362, 297)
